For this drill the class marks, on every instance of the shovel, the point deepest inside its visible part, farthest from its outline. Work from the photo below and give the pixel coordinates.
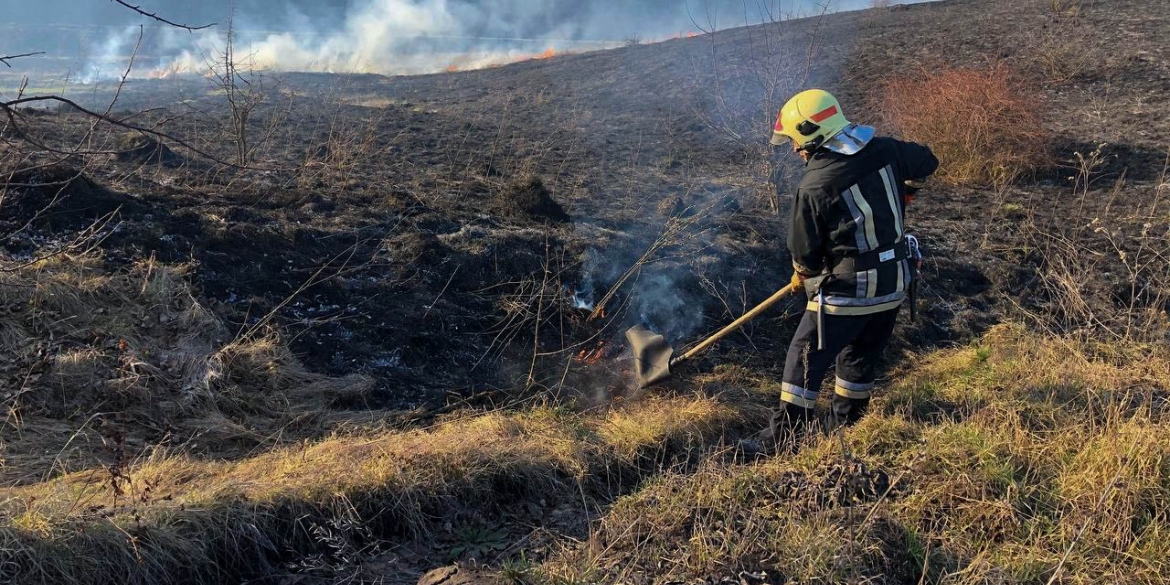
(653, 356)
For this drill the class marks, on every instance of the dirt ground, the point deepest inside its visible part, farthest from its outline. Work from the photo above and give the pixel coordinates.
(452, 237)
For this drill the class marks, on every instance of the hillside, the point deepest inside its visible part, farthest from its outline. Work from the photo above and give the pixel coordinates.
(388, 347)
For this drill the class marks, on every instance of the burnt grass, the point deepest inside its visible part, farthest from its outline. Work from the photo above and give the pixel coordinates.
(407, 221)
(431, 231)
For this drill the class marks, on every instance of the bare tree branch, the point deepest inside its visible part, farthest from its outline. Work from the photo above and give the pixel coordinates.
(139, 10)
(5, 58)
(10, 108)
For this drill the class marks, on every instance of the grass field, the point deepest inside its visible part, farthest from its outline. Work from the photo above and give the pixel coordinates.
(388, 347)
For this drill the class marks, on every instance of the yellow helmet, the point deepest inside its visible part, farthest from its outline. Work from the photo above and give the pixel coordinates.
(810, 118)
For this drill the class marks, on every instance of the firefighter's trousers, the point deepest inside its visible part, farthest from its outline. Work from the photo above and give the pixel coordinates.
(856, 342)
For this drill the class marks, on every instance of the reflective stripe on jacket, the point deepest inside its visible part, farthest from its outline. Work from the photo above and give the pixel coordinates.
(849, 214)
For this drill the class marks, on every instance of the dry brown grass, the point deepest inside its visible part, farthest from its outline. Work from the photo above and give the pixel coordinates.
(1017, 460)
(984, 124)
(179, 515)
(1066, 7)
(95, 357)
(1105, 270)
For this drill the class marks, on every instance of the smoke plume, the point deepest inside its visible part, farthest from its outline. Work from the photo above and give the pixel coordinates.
(383, 36)
(107, 62)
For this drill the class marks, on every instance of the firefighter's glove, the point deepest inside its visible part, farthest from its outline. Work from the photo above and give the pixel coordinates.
(914, 185)
(798, 280)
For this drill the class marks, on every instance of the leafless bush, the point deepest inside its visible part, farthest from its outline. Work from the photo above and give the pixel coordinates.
(984, 124)
(746, 93)
(1066, 47)
(245, 91)
(1106, 259)
(741, 94)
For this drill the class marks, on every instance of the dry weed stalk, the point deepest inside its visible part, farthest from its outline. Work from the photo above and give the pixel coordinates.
(678, 230)
(1107, 272)
(529, 306)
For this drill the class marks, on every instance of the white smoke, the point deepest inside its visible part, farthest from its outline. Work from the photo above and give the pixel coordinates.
(398, 37)
(659, 302)
(112, 57)
(388, 37)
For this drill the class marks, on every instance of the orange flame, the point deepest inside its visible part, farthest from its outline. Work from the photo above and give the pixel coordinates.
(591, 357)
(452, 68)
(547, 54)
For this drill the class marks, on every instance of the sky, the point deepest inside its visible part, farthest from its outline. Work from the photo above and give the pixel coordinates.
(378, 36)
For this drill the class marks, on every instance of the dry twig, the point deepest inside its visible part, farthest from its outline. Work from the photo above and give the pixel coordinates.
(155, 16)
(5, 59)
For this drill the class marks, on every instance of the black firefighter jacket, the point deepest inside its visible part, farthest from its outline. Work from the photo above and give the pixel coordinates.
(847, 221)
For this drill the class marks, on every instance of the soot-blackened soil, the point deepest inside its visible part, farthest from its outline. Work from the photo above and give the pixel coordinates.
(531, 199)
(438, 232)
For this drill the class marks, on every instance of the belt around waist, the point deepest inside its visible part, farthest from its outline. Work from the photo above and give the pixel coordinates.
(872, 259)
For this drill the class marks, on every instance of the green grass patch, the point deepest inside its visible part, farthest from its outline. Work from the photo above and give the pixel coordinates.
(1027, 450)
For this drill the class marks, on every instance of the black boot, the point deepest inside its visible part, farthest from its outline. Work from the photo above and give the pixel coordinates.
(846, 411)
(785, 430)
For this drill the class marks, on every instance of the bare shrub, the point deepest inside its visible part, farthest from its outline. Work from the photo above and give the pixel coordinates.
(1066, 47)
(244, 89)
(984, 124)
(742, 85)
(1104, 274)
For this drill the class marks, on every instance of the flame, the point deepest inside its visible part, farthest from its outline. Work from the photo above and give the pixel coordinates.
(591, 357)
(453, 68)
(165, 72)
(547, 54)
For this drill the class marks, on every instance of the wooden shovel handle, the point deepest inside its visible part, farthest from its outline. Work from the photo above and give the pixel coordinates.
(760, 308)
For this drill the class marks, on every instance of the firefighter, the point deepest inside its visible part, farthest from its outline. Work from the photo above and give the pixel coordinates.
(850, 253)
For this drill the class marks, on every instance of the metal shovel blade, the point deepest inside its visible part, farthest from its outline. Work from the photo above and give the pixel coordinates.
(652, 355)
